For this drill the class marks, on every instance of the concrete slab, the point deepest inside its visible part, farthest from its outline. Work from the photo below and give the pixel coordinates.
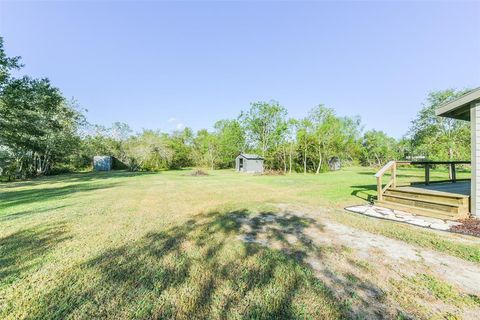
(401, 216)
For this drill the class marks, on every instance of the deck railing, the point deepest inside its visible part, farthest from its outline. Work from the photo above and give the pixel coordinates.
(392, 167)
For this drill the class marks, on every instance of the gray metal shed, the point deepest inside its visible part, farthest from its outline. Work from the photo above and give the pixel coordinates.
(334, 164)
(250, 163)
(102, 163)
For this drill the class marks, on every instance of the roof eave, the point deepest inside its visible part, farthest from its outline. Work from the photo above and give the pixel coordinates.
(250, 158)
(460, 107)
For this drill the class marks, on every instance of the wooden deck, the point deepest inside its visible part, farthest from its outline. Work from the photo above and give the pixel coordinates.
(460, 187)
(441, 200)
(449, 199)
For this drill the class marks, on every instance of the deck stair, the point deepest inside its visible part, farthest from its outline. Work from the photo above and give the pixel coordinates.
(422, 201)
(430, 203)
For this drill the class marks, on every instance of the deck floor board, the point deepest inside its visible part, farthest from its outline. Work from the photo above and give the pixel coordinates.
(461, 187)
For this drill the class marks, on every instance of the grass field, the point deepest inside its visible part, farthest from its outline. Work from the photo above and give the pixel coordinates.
(126, 245)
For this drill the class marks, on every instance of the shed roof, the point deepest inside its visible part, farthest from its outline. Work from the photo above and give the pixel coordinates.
(459, 108)
(250, 156)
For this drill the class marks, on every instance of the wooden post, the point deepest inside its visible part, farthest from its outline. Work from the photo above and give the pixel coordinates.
(379, 189)
(394, 175)
(454, 172)
(427, 174)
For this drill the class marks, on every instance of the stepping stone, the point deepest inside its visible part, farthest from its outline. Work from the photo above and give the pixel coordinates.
(418, 222)
(440, 226)
(401, 216)
(451, 223)
(431, 220)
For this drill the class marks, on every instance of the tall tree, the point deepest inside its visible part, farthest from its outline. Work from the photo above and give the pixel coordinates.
(149, 150)
(206, 149)
(265, 123)
(305, 139)
(37, 123)
(287, 146)
(7, 64)
(334, 136)
(181, 142)
(440, 138)
(378, 148)
(231, 141)
(326, 128)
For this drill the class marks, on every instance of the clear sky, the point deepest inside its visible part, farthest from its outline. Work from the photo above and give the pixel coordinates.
(161, 65)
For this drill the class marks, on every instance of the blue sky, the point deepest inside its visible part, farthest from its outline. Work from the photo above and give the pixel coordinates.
(162, 65)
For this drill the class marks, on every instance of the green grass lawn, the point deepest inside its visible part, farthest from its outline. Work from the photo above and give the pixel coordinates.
(125, 245)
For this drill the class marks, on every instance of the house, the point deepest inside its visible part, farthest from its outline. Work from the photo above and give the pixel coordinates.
(449, 199)
(467, 107)
(250, 163)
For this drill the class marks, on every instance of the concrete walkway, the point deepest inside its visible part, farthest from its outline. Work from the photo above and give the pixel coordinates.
(402, 216)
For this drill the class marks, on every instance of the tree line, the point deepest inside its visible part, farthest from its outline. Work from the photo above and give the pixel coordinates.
(42, 132)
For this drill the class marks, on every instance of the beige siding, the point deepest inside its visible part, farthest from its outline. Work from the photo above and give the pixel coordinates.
(475, 195)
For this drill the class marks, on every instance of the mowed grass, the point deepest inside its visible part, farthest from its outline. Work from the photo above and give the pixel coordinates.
(125, 245)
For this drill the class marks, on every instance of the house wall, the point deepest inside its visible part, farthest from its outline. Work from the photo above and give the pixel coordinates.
(475, 127)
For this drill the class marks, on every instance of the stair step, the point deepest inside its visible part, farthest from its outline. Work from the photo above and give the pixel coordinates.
(421, 211)
(426, 203)
(427, 192)
(429, 197)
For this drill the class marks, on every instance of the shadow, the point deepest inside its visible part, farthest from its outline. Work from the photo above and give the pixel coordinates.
(27, 213)
(26, 196)
(23, 251)
(364, 192)
(75, 177)
(367, 173)
(219, 265)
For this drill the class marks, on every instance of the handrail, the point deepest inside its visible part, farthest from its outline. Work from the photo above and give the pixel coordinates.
(437, 162)
(392, 165)
(382, 171)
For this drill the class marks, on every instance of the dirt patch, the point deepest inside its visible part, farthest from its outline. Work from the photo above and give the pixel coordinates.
(468, 226)
(395, 252)
(296, 236)
(273, 173)
(365, 270)
(198, 173)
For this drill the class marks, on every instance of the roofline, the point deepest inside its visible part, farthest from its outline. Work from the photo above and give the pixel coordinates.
(251, 158)
(450, 109)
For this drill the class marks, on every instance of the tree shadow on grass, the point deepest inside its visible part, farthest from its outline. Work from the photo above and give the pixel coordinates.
(75, 177)
(28, 213)
(24, 250)
(105, 175)
(37, 195)
(364, 192)
(218, 265)
(368, 173)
